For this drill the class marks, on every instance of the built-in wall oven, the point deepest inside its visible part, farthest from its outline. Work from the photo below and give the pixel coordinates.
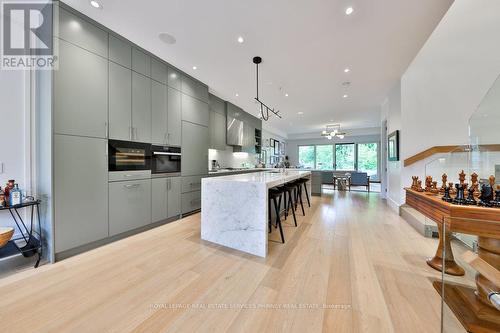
(165, 161)
(127, 155)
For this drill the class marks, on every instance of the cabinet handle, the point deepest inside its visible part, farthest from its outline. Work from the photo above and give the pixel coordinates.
(169, 184)
(195, 184)
(127, 176)
(134, 132)
(165, 138)
(106, 129)
(132, 185)
(130, 132)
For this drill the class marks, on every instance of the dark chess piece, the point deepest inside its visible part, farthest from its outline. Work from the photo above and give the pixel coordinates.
(486, 195)
(446, 196)
(470, 197)
(460, 198)
(496, 201)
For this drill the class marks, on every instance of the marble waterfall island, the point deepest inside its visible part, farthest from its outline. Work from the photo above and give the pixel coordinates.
(234, 208)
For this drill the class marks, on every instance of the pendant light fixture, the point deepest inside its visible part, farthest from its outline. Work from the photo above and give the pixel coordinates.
(332, 131)
(264, 109)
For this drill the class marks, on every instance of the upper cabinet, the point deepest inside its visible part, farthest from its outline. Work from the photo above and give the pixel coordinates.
(158, 71)
(80, 92)
(194, 110)
(120, 51)
(174, 116)
(217, 125)
(82, 33)
(194, 88)
(174, 78)
(141, 62)
(141, 108)
(120, 102)
(159, 131)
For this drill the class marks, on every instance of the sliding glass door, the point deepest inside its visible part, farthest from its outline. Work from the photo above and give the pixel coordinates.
(344, 156)
(324, 157)
(368, 158)
(306, 157)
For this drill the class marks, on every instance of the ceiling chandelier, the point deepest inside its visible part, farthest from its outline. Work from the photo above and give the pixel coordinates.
(264, 109)
(332, 131)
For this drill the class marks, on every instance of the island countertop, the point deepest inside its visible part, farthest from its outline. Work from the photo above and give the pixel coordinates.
(270, 178)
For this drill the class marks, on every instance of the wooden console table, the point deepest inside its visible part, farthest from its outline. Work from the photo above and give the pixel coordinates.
(471, 307)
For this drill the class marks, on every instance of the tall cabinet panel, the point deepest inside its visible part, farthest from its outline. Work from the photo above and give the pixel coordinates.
(194, 149)
(174, 117)
(120, 102)
(159, 209)
(80, 92)
(159, 129)
(174, 196)
(80, 191)
(141, 108)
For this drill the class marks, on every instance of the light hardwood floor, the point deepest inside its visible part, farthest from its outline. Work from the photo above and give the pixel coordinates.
(349, 251)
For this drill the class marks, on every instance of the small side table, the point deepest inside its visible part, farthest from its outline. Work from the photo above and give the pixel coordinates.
(32, 238)
(341, 182)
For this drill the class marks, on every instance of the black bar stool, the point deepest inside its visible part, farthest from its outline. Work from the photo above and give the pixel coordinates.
(303, 181)
(298, 195)
(291, 189)
(275, 195)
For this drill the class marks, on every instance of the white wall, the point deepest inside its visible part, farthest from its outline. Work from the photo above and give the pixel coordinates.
(446, 82)
(14, 131)
(391, 111)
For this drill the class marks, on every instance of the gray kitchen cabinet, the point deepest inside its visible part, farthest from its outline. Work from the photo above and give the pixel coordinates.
(190, 201)
(80, 191)
(193, 88)
(159, 201)
(158, 71)
(217, 131)
(194, 110)
(191, 183)
(120, 51)
(217, 104)
(159, 131)
(141, 62)
(174, 117)
(194, 149)
(173, 196)
(174, 78)
(141, 108)
(129, 205)
(120, 102)
(80, 92)
(78, 31)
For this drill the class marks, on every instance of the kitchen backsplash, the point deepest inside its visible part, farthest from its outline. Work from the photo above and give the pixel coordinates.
(228, 159)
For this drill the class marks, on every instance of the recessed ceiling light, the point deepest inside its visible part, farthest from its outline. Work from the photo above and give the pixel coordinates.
(237, 94)
(345, 96)
(347, 70)
(167, 38)
(195, 68)
(286, 95)
(95, 4)
(349, 10)
(300, 112)
(240, 40)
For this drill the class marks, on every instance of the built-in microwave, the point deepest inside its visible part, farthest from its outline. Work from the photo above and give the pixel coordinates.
(127, 155)
(165, 161)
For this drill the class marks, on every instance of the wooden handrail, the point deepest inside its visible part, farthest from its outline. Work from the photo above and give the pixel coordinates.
(446, 149)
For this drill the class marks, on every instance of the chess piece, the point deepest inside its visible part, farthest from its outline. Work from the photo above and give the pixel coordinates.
(446, 196)
(496, 202)
(434, 188)
(414, 183)
(461, 177)
(487, 193)
(474, 183)
(452, 189)
(444, 178)
(419, 186)
(428, 183)
(470, 197)
(459, 199)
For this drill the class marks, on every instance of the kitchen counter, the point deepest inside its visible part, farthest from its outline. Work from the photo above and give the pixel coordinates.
(234, 208)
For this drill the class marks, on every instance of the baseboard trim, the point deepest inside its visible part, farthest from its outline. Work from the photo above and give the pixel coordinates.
(393, 205)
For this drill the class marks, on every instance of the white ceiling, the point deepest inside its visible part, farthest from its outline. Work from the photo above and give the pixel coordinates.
(305, 46)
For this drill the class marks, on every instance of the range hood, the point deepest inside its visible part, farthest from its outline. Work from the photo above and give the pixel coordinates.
(234, 131)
